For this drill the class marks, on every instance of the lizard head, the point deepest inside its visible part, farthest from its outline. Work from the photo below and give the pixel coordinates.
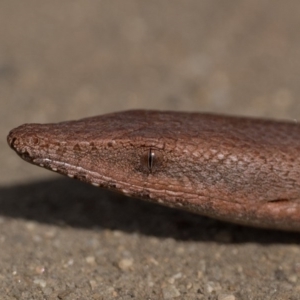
(131, 152)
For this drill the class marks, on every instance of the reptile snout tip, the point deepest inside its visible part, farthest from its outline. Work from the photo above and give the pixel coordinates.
(12, 139)
(16, 139)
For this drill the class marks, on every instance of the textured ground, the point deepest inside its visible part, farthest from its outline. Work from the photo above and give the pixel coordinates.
(59, 60)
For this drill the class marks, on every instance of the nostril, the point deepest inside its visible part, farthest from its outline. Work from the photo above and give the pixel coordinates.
(11, 140)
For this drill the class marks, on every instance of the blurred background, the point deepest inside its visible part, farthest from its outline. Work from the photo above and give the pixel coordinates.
(62, 60)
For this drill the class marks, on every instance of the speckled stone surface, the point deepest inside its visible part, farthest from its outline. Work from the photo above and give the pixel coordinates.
(61, 239)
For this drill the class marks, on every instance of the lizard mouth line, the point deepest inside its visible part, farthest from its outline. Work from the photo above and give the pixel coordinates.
(101, 180)
(117, 185)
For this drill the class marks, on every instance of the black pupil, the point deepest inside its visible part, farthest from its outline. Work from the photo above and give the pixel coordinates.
(151, 156)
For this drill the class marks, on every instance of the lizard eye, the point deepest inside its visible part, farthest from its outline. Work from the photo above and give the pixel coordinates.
(151, 159)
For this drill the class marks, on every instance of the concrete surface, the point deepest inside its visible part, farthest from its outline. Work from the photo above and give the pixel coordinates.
(59, 60)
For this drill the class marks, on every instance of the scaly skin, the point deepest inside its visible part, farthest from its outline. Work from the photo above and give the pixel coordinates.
(241, 170)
